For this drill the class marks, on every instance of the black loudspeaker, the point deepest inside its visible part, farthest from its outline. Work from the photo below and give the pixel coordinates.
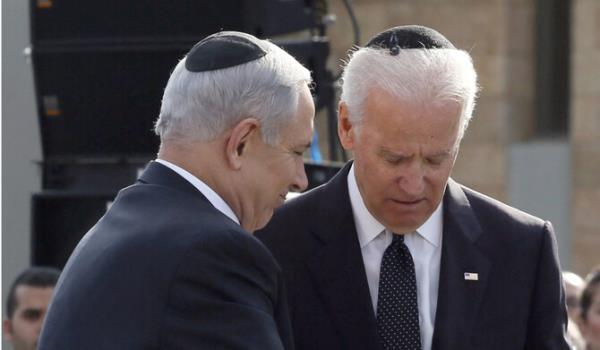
(59, 222)
(101, 101)
(68, 21)
(102, 175)
(313, 55)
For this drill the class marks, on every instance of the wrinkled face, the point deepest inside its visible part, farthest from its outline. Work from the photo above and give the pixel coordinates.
(279, 168)
(590, 327)
(404, 152)
(23, 330)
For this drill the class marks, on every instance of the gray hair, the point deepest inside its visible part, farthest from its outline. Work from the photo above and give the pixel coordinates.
(414, 74)
(201, 106)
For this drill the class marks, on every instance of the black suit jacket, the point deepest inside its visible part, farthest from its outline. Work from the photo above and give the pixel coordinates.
(163, 269)
(517, 302)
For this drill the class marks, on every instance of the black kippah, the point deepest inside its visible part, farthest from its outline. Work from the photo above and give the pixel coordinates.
(409, 37)
(224, 50)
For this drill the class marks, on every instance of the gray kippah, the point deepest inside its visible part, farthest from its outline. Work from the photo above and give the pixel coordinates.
(409, 37)
(224, 50)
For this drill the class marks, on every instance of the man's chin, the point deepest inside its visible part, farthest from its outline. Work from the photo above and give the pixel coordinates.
(405, 226)
(404, 221)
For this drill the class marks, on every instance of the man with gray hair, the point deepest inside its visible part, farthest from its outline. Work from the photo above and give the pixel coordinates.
(173, 263)
(392, 253)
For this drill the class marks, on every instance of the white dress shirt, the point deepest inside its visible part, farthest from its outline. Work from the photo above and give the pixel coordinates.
(208, 192)
(425, 246)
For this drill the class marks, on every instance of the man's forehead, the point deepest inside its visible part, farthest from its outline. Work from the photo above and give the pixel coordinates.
(387, 108)
(432, 152)
(30, 295)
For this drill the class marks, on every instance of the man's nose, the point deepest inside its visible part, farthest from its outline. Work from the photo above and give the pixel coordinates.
(300, 181)
(412, 179)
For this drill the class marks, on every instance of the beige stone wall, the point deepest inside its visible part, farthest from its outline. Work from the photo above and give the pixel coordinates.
(585, 134)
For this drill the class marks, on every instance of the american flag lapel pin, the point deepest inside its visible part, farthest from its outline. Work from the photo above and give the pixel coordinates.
(471, 276)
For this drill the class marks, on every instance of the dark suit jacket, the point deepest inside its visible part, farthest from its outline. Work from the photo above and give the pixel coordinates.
(164, 269)
(517, 303)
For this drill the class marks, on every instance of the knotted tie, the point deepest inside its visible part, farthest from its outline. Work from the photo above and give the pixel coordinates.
(397, 311)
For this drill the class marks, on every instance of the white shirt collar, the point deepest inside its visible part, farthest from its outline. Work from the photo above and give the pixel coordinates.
(208, 192)
(368, 228)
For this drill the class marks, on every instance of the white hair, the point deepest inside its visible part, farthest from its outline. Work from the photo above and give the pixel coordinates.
(423, 75)
(199, 106)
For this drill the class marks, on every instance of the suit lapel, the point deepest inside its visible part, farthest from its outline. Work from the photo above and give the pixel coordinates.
(459, 299)
(337, 267)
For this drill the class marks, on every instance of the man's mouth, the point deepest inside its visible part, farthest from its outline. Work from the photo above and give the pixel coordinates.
(408, 202)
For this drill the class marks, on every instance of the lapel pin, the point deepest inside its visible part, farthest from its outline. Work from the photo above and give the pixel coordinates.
(471, 276)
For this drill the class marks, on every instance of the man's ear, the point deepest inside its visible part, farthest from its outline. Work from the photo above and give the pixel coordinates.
(237, 143)
(346, 131)
(7, 330)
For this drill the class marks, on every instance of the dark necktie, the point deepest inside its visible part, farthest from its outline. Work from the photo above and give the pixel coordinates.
(397, 311)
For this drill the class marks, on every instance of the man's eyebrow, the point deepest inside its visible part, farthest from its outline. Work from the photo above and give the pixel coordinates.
(443, 153)
(32, 309)
(388, 152)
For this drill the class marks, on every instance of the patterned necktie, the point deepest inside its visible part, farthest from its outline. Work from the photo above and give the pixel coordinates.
(397, 311)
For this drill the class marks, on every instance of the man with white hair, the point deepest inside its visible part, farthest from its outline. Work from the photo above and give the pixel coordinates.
(173, 263)
(394, 254)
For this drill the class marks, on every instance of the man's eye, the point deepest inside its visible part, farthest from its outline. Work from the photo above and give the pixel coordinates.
(393, 160)
(435, 160)
(32, 315)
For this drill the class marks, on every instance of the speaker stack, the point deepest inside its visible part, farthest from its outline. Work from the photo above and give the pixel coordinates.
(100, 68)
